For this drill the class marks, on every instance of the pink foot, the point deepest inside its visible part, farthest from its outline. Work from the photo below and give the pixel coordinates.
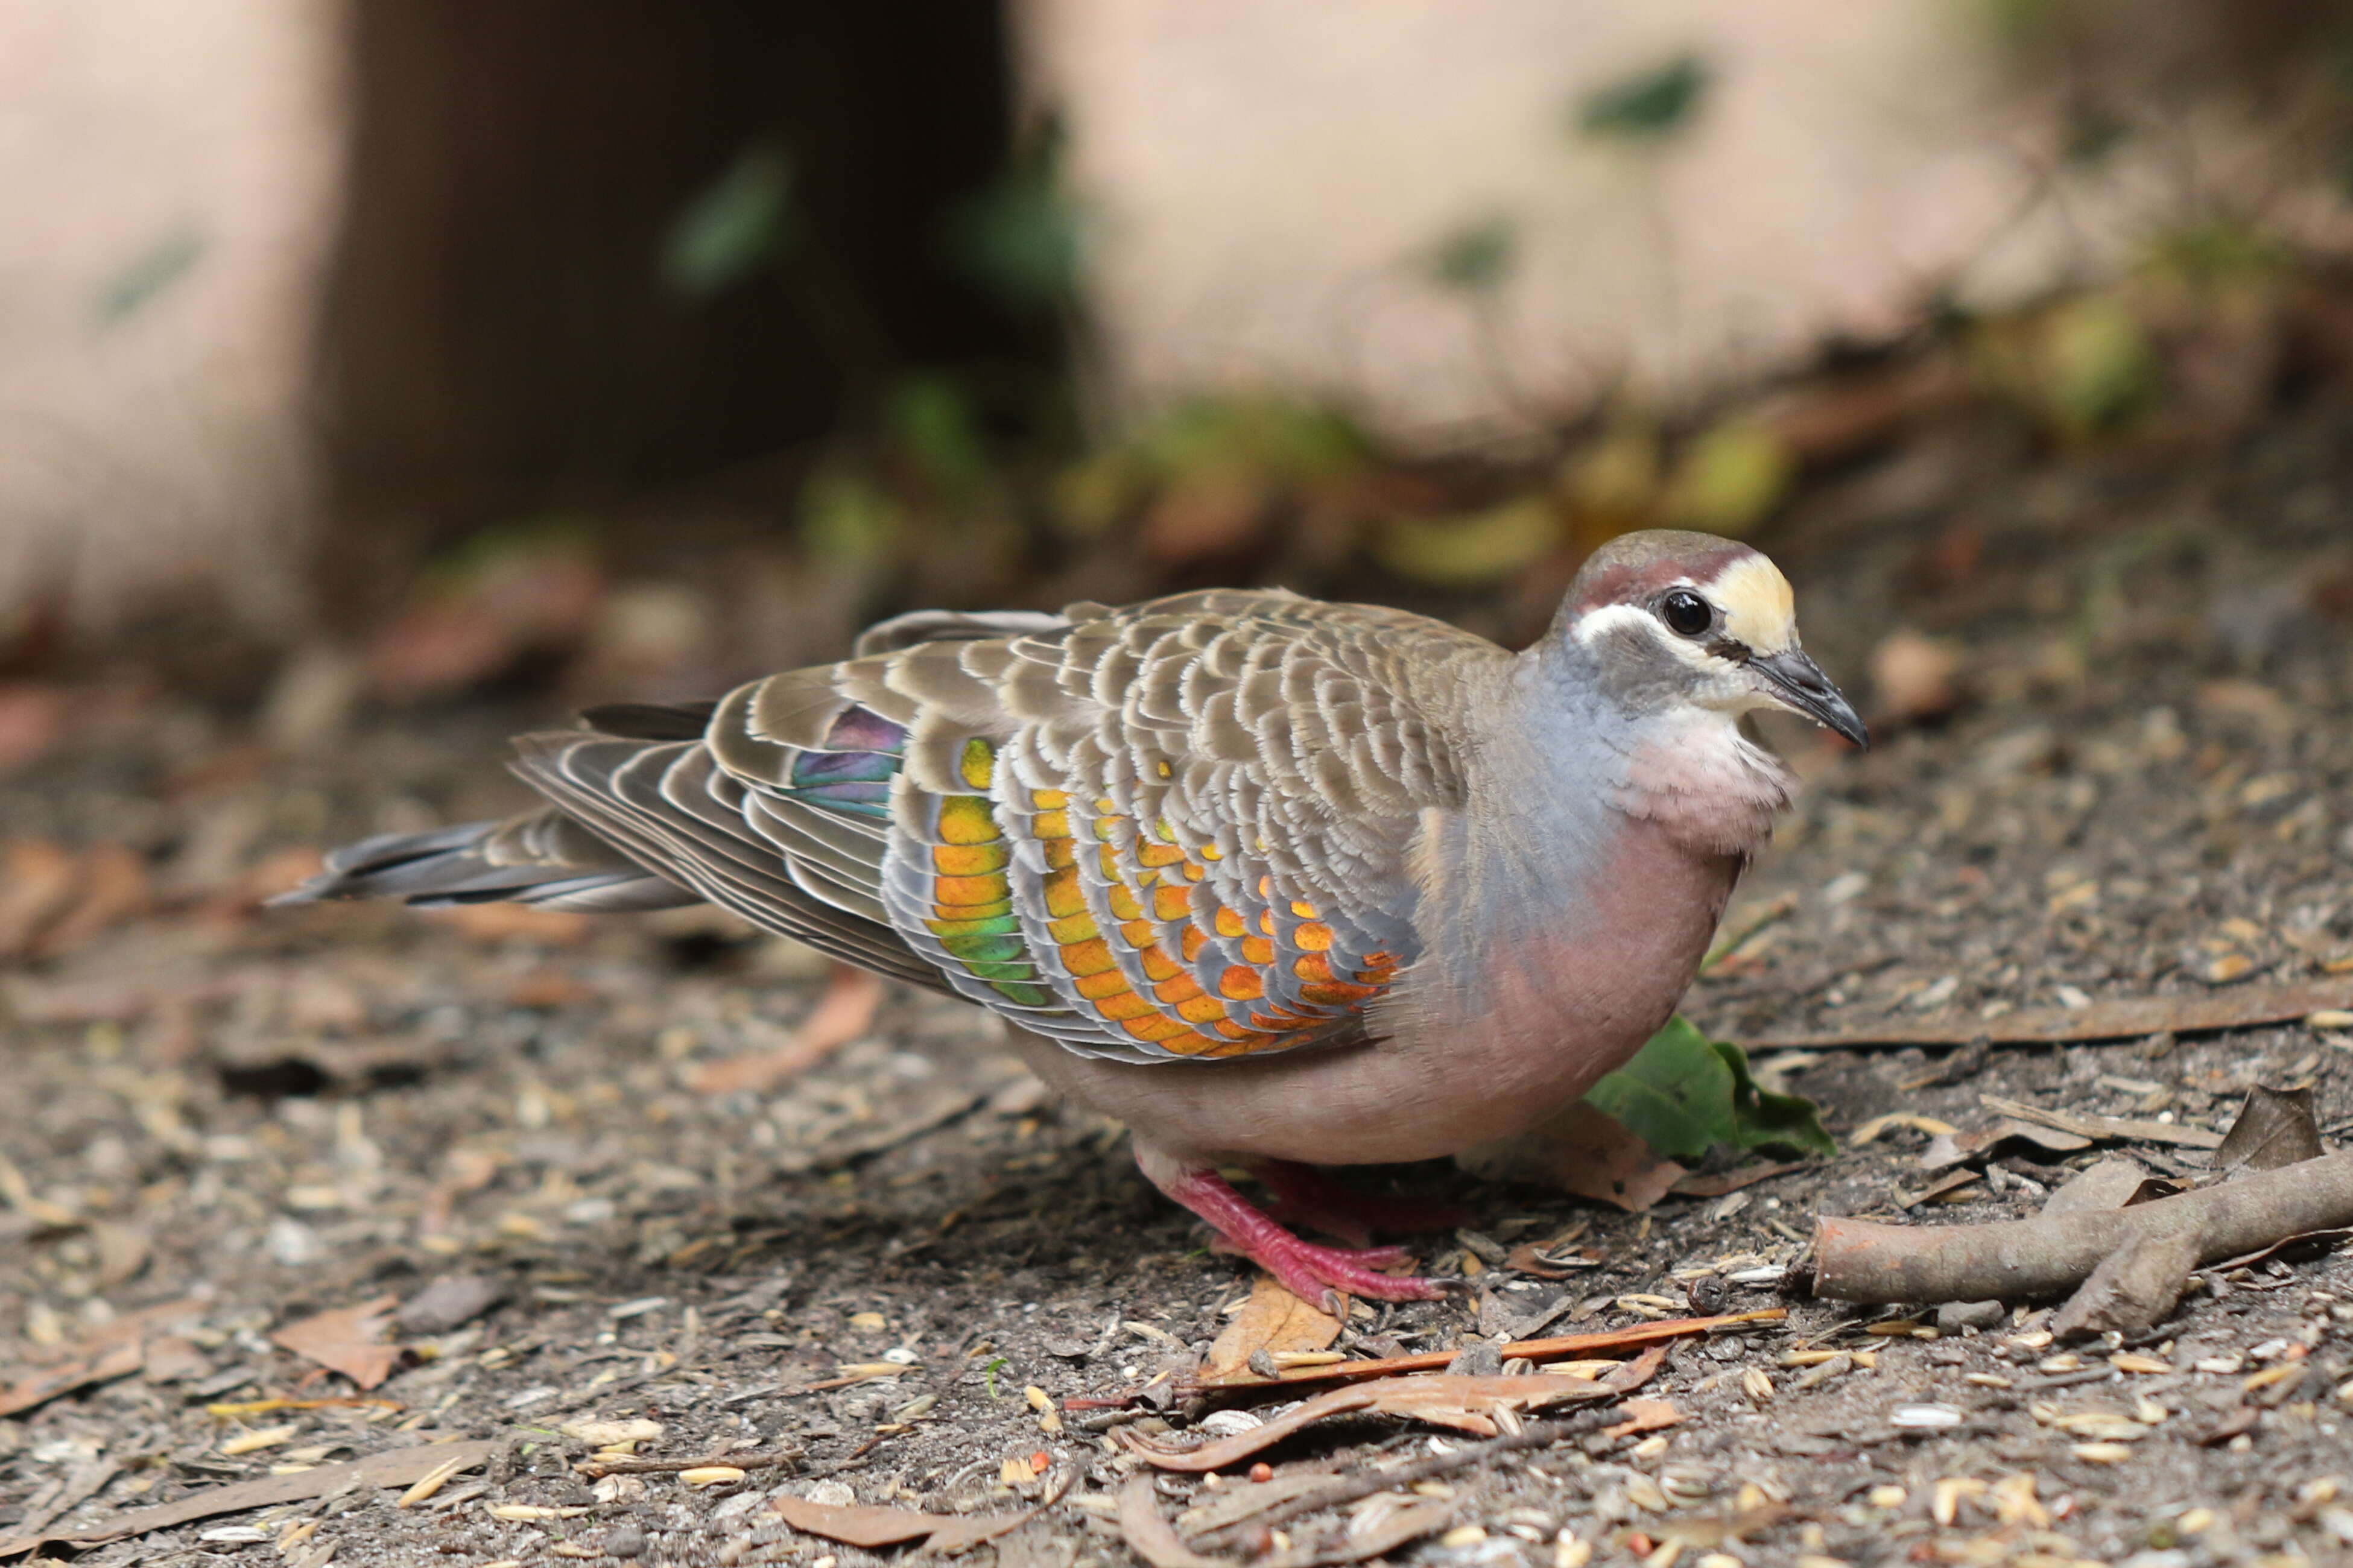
(1310, 1272)
(1304, 1195)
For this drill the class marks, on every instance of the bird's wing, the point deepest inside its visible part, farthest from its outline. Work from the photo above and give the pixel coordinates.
(1179, 829)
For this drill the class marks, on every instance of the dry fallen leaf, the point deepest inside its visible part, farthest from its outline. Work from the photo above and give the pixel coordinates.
(876, 1527)
(1274, 1320)
(393, 1468)
(845, 1012)
(118, 1349)
(111, 886)
(1581, 1150)
(37, 880)
(349, 1340)
(1464, 1403)
(2274, 1127)
(1644, 1416)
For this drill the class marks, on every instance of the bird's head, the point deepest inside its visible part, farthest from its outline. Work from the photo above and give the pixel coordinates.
(1669, 619)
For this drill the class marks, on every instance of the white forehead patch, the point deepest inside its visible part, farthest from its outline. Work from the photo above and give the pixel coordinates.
(1759, 608)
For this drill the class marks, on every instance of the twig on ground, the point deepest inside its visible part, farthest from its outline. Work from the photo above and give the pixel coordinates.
(2245, 1008)
(393, 1468)
(1861, 1261)
(1365, 1483)
(596, 1469)
(1564, 1348)
(2108, 1128)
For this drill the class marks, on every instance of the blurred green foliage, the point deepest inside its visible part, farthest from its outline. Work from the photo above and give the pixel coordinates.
(1022, 238)
(742, 221)
(1209, 441)
(1478, 257)
(2080, 366)
(150, 273)
(1473, 550)
(848, 520)
(2219, 250)
(929, 417)
(1730, 479)
(1648, 106)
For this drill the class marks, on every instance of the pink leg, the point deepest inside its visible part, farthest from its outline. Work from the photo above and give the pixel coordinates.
(1304, 1195)
(1307, 1270)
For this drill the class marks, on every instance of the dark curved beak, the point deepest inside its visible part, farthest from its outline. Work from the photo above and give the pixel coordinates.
(1800, 682)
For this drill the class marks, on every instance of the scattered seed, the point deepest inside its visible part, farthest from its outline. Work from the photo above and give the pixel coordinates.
(2102, 1453)
(1820, 1372)
(1945, 1501)
(254, 1441)
(426, 1485)
(1912, 1417)
(1888, 1498)
(636, 1309)
(1462, 1536)
(1645, 1493)
(2131, 1360)
(1756, 1384)
(709, 1475)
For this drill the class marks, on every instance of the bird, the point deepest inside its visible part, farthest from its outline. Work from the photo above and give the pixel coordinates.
(1278, 883)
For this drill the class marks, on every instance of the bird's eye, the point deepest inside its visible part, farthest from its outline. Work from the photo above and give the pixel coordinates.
(1686, 613)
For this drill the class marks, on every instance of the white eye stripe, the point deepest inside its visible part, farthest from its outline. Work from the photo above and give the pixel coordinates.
(1608, 619)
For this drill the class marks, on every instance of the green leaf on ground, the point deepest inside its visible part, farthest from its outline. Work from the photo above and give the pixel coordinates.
(1647, 107)
(1684, 1094)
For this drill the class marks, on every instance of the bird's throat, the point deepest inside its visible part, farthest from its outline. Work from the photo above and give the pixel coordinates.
(1707, 786)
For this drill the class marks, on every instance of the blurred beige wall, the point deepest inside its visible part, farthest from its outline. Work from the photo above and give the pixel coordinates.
(1265, 181)
(170, 171)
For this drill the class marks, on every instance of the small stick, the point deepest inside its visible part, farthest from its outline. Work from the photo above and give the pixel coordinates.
(1365, 1483)
(2125, 1019)
(765, 1459)
(1862, 1260)
(1566, 1347)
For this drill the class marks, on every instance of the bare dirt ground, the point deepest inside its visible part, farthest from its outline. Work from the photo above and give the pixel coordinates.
(2144, 789)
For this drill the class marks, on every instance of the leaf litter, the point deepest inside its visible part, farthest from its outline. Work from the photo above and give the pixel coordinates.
(526, 1091)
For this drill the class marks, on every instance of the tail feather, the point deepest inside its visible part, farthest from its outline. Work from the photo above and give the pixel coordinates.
(540, 857)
